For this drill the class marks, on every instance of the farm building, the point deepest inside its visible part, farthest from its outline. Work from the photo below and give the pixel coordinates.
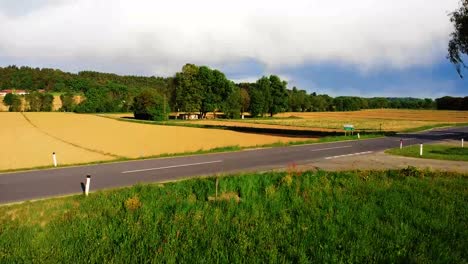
(187, 116)
(13, 91)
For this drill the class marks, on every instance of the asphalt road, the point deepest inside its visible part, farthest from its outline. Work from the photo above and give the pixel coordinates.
(29, 185)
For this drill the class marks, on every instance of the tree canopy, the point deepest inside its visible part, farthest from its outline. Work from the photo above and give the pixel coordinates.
(194, 89)
(149, 105)
(458, 44)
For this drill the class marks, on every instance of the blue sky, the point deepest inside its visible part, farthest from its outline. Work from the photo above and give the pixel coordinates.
(431, 81)
(362, 47)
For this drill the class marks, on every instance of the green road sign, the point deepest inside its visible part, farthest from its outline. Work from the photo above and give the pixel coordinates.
(348, 127)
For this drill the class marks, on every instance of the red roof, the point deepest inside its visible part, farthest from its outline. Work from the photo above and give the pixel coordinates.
(13, 91)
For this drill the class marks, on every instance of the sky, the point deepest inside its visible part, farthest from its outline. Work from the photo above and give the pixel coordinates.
(394, 48)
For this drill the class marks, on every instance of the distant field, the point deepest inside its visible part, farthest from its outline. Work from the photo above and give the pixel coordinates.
(405, 216)
(29, 139)
(368, 120)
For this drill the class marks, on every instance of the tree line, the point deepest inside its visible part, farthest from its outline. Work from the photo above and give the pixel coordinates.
(194, 89)
(36, 101)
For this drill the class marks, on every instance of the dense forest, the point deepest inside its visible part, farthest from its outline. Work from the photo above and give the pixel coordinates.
(195, 89)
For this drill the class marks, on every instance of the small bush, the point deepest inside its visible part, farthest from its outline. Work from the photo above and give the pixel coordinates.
(133, 203)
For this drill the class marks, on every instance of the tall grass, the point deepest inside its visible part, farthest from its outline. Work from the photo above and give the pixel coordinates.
(293, 216)
(441, 152)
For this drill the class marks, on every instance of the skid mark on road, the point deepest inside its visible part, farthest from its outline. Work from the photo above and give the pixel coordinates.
(70, 143)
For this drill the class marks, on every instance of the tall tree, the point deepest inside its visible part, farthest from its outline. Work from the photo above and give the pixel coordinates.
(216, 89)
(13, 102)
(279, 95)
(257, 102)
(245, 98)
(68, 102)
(458, 44)
(34, 101)
(263, 86)
(188, 90)
(47, 102)
(232, 106)
(149, 105)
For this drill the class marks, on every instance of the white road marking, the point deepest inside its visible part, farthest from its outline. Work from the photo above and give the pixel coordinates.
(174, 166)
(348, 155)
(330, 148)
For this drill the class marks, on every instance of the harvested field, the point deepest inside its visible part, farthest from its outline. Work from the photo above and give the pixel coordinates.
(86, 138)
(337, 123)
(57, 104)
(396, 114)
(24, 146)
(368, 120)
(247, 123)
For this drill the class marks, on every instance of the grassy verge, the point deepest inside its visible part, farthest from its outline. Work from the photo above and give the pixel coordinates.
(441, 152)
(388, 216)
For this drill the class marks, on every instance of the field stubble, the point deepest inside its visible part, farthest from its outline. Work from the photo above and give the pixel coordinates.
(365, 120)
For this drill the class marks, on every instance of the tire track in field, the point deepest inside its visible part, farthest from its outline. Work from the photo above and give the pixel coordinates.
(70, 143)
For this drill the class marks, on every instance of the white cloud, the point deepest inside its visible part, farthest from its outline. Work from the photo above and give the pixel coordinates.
(161, 36)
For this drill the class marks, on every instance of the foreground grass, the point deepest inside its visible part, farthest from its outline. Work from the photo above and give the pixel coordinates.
(441, 152)
(391, 216)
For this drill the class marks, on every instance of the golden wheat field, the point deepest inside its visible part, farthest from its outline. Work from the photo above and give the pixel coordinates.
(79, 138)
(24, 146)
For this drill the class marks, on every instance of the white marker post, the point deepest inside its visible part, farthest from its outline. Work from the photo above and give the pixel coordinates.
(462, 142)
(88, 182)
(54, 158)
(401, 143)
(420, 149)
(358, 136)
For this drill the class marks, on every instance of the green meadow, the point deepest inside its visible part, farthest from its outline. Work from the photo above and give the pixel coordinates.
(395, 216)
(442, 152)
